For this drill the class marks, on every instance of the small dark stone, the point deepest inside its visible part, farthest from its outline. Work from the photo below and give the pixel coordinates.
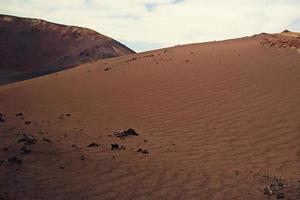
(280, 195)
(61, 167)
(47, 140)
(25, 150)
(115, 146)
(75, 146)
(82, 157)
(27, 122)
(145, 140)
(2, 117)
(93, 145)
(19, 114)
(144, 151)
(5, 149)
(106, 69)
(68, 115)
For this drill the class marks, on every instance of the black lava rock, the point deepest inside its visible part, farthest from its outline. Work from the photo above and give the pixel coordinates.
(115, 146)
(19, 114)
(27, 122)
(129, 132)
(25, 150)
(2, 117)
(144, 151)
(47, 140)
(93, 145)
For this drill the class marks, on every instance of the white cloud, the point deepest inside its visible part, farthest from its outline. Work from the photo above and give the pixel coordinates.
(166, 23)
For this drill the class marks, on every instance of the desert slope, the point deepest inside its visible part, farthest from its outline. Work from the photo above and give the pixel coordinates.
(33, 47)
(219, 120)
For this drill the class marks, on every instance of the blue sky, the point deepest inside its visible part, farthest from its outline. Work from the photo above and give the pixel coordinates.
(150, 24)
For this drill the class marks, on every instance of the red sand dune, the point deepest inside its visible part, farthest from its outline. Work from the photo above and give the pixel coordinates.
(33, 47)
(219, 120)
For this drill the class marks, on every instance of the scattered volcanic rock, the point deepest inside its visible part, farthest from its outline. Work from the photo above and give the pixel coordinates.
(129, 132)
(93, 145)
(27, 140)
(276, 190)
(14, 160)
(82, 157)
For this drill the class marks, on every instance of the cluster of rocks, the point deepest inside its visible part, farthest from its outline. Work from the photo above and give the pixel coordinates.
(11, 161)
(280, 41)
(123, 134)
(27, 140)
(115, 146)
(275, 190)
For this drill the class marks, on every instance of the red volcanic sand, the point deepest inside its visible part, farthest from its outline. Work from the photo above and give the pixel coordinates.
(33, 47)
(219, 120)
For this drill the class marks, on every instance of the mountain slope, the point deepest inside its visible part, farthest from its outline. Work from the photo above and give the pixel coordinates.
(32, 47)
(219, 121)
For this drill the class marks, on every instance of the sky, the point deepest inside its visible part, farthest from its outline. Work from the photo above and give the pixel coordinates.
(145, 25)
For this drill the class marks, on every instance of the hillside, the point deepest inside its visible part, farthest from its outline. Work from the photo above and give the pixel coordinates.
(33, 47)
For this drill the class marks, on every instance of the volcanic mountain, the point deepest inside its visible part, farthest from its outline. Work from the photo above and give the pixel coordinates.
(33, 47)
(216, 120)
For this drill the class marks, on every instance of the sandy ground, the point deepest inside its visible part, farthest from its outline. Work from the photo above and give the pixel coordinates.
(219, 120)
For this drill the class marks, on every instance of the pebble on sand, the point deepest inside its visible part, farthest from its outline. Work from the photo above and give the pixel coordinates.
(2, 117)
(144, 151)
(93, 144)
